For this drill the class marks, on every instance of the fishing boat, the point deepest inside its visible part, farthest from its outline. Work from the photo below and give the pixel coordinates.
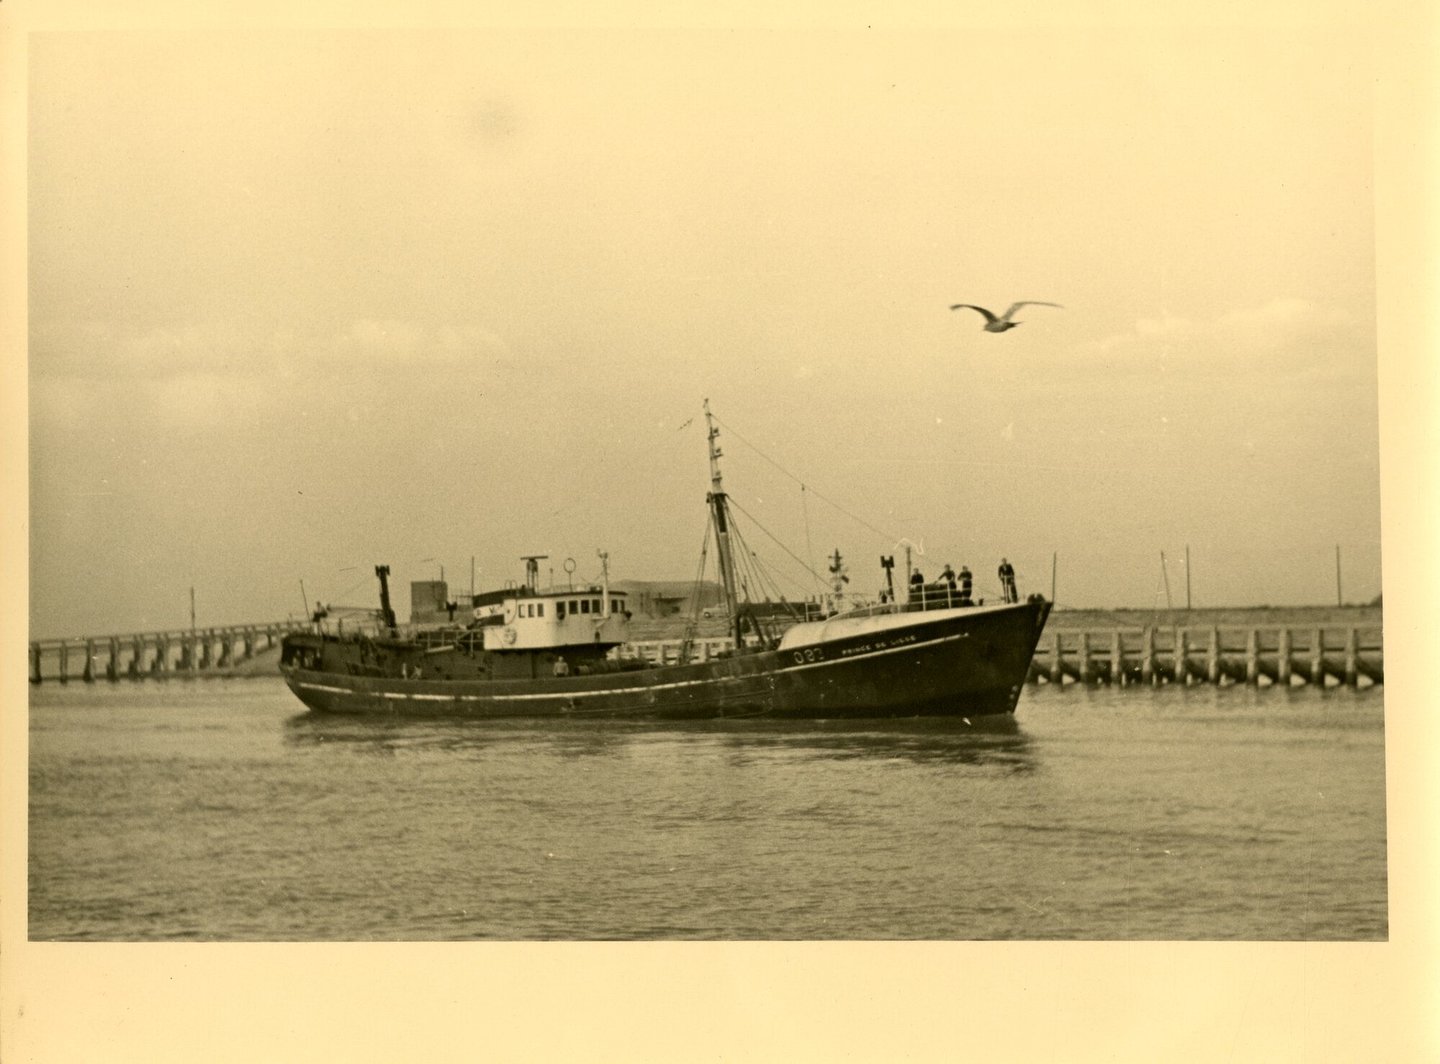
(529, 651)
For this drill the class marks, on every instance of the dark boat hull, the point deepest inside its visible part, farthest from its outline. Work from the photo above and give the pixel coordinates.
(957, 663)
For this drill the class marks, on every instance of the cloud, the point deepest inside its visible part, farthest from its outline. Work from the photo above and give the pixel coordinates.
(1283, 335)
(1162, 326)
(192, 376)
(1284, 323)
(102, 351)
(380, 347)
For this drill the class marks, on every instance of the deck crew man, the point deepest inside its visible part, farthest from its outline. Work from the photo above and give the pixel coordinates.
(1007, 582)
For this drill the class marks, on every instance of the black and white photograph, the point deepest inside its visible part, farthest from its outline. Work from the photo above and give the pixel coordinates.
(635, 482)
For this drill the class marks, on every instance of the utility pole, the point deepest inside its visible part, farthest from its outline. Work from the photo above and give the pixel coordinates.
(1054, 558)
(1339, 596)
(1166, 574)
(1187, 577)
(192, 612)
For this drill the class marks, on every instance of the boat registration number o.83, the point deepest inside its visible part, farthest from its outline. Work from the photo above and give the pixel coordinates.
(806, 655)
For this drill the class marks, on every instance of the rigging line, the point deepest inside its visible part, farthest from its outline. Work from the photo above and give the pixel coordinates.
(767, 581)
(782, 546)
(809, 550)
(773, 576)
(692, 623)
(766, 584)
(749, 563)
(756, 569)
(792, 476)
(700, 576)
(773, 579)
(353, 587)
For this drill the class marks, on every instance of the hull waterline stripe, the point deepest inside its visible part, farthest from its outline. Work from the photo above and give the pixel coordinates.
(326, 688)
(562, 695)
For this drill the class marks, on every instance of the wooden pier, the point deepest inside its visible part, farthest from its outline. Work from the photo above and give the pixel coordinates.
(1259, 656)
(154, 655)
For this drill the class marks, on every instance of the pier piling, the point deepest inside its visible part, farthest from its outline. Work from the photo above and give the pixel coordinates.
(1212, 654)
(137, 656)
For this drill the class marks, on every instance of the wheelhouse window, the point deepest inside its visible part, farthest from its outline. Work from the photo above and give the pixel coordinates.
(584, 605)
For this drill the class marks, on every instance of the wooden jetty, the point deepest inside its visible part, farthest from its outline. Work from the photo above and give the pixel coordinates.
(1214, 654)
(154, 655)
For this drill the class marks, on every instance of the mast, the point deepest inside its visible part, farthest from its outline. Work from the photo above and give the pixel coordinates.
(720, 516)
(386, 613)
(838, 580)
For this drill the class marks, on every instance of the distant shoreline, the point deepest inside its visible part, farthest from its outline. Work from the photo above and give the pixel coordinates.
(1223, 616)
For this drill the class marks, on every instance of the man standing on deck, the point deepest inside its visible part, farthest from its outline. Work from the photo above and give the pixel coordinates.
(965, 586)
(1007, 582)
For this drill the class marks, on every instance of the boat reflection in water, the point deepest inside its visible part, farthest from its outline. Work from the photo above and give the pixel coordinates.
(985, 741)
(994, 741)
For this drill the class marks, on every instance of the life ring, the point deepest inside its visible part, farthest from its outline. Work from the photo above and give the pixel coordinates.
(508, 635)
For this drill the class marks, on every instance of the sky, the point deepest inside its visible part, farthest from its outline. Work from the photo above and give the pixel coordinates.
(305, 302)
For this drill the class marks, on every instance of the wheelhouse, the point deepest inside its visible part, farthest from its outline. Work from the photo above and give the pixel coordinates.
(526, 619)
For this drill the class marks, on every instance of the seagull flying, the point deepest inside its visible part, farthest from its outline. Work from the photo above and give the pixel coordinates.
(1003, 322)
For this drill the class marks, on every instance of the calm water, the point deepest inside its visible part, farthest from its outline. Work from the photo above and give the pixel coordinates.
(218, 810)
